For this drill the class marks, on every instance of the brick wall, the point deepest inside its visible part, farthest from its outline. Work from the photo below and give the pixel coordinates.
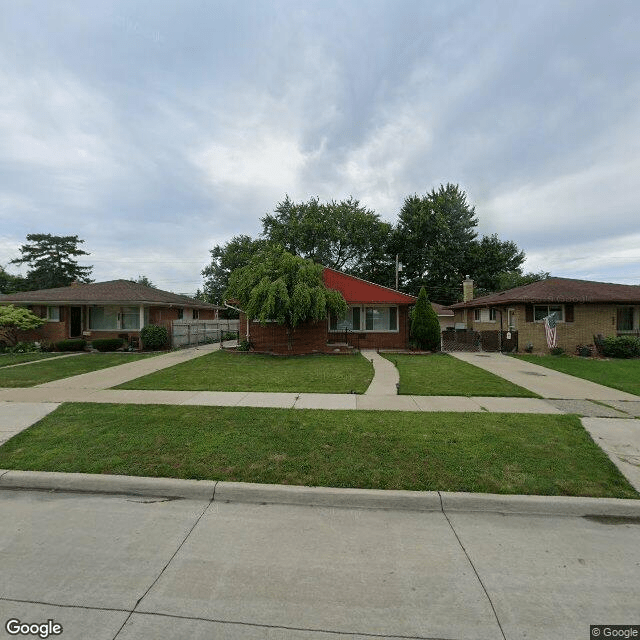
(314, 337)
(589, 319)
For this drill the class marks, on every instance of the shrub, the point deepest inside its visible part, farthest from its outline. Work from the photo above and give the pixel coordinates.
(154, 336)
(24, 347)
(557, 351)
(107, 344)
(425, 327)
(529, 347)
(244, 345)
(622, 347)
(71, 345)
(584, 350)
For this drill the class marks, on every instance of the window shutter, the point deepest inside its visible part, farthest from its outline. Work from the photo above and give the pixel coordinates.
(528, 313)
(568, 313)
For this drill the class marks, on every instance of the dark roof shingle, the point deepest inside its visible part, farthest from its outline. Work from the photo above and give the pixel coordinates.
(559, 291)
(105, 292)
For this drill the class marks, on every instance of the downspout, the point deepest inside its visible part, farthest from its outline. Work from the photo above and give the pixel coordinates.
(230, 306)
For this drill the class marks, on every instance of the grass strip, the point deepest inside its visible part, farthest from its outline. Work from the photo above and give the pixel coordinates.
(442, 375)
(41, 372)
(222, 371)
(7, 359)
(495, 453)
(623, 375)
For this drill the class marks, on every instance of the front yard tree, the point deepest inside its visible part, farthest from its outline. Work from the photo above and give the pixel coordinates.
(15, 319)
(425, 327)
(52, 261)
(277, 286)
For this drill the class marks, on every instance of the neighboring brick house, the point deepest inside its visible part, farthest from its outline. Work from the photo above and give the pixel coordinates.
(377, 318)
(118, 308)
(584, 309)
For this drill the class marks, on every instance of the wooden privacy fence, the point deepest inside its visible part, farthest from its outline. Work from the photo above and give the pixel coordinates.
(189, 333)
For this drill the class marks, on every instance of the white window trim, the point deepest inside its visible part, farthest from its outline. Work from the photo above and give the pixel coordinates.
(484, 317)
(363, 319)
(548, 306)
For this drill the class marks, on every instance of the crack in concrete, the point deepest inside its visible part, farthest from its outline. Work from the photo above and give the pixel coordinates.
(175, 553)
(466, 553)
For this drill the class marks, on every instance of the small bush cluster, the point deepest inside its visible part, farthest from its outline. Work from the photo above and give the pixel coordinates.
(154, 337)
(71, 345)
(21, 347)
(244, 345)
(107, 344)
(557, 351)
(621, 347)
(584, 350)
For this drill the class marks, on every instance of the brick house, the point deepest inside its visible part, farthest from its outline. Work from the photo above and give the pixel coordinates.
(584, 309)
(114, 309)
(377, 318)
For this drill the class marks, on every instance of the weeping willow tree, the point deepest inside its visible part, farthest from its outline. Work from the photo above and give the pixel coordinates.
(279, 287)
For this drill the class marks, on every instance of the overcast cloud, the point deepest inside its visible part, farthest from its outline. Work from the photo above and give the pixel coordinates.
(155, 130)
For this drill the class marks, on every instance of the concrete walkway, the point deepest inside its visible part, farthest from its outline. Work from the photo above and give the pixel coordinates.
(386, 377)
(113, 376)
(541, 380)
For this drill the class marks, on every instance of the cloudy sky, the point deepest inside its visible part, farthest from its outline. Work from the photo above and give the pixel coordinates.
(155, 130)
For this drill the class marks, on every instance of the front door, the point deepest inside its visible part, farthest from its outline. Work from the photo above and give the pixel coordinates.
(511, 320)
(75, 322)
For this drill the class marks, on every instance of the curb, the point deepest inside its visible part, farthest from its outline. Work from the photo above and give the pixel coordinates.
(249, 493)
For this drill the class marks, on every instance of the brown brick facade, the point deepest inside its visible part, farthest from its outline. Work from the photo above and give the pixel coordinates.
(52, 332)
(588, 320)
(315, 337)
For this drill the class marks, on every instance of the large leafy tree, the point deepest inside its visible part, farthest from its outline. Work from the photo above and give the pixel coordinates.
(425, 328)
(491, 262)
(343, 235)
(53, 261)
(277, 286)
(225, 259)
(434, 238)
(16, 319)
(10, 283)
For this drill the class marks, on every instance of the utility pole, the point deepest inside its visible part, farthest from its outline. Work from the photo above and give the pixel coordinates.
(398, 269)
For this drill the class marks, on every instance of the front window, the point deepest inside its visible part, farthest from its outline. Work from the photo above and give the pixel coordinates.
(180, 313)
(53, 314)
(625, 318)
(381, 318)
(114, 318)
(540, 312)
(477, 314)
(375, 319)
(196, 314)
(492, 314)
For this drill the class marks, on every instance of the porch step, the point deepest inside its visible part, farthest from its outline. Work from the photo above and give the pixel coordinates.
(339, 347)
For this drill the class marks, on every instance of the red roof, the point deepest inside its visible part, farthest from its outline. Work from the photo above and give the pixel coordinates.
(357, 291)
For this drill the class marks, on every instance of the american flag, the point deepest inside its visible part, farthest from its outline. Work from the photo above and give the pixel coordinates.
(550, 331)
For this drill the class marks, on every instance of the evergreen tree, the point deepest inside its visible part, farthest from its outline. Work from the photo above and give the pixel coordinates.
(425, 327)
(52, 261)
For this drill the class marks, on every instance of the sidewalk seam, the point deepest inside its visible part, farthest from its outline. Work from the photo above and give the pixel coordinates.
(175, 553)
(455, 533)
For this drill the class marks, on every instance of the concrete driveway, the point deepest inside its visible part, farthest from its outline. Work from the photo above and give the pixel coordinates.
(134, 567)
(541, 380)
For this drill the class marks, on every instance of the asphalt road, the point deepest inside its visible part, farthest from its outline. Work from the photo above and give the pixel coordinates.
(127, 567)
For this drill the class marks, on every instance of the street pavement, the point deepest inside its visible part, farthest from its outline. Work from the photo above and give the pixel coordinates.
(133, 567)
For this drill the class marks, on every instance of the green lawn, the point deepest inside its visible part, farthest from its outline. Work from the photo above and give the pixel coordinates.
(7, 359)
(40, 372)
(619, 374)
(443, 375)
(221, 371)
(496, 453)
